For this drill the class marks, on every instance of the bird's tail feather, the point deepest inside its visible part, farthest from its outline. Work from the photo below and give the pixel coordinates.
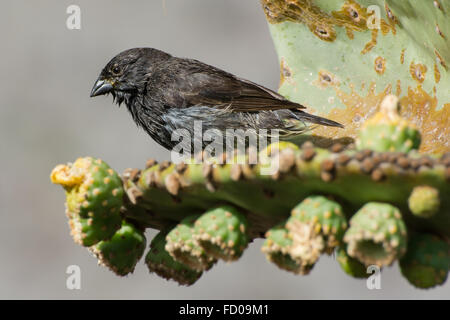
(303, 116)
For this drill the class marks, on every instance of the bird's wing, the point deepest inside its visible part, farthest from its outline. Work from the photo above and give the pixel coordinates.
(201, 84)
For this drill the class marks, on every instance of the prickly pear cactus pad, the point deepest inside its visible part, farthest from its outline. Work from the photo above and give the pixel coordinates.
(122, 251)
(349, 265)
(377, 234)
(342, 57)
(185, 249)
(159, 261)
(94, 197)
(222, 232)
(316, 226)
(427, 262)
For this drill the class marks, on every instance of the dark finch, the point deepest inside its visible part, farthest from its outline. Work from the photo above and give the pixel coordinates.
(164, 93)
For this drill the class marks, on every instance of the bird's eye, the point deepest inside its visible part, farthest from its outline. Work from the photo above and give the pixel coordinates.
(116, 70)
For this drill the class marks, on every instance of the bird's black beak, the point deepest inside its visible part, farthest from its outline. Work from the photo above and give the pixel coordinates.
(101, 87)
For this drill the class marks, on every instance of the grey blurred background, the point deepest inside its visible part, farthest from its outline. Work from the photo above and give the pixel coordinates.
(47, 117)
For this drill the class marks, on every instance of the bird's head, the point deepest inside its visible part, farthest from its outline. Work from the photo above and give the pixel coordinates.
(125, 75)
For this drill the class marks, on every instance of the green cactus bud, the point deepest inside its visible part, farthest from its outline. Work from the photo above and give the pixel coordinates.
(159, 261)
(277, 249)
(377, 234)
(324, 216)
(122, 252)
(350, 265)
(427, 261)
(94, 197)
(387, 131)
(424, 201)
(222, 232)
(185, 249)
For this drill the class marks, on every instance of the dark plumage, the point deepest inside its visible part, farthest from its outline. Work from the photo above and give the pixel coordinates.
(164, 93)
